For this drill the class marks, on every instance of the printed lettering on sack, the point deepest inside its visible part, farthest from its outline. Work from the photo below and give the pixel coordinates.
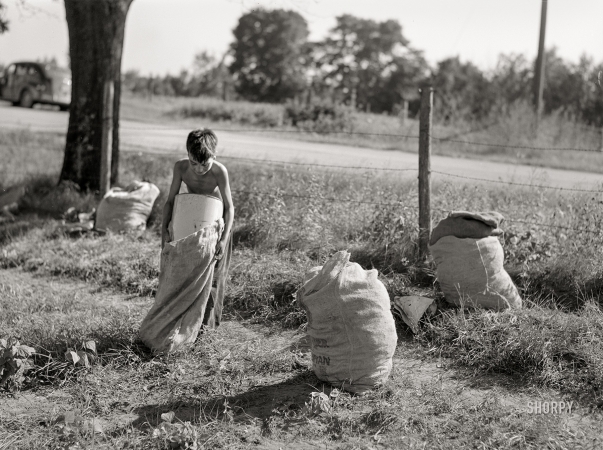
(319, 343)
(321, 360)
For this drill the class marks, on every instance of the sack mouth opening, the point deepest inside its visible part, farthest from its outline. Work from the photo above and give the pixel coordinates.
(202, 195)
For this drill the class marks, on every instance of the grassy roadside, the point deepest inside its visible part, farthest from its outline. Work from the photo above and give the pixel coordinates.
(549, 351)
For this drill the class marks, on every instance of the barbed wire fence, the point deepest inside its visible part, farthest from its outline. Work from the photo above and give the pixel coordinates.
(424, 172)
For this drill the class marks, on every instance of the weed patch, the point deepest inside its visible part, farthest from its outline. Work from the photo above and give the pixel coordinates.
(545, 347)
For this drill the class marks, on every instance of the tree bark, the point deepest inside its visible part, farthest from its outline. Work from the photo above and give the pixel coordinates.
(96, 36)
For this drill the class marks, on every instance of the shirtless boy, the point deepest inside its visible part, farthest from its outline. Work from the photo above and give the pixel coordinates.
(201, 174)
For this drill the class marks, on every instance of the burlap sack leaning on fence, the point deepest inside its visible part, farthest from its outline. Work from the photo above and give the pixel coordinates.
(471, 273)
(350, 325)
(126, 209)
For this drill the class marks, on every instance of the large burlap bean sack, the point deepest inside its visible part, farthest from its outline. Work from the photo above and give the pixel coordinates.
(471, 273)
(126, 209)
(185, 287)
(350, 325)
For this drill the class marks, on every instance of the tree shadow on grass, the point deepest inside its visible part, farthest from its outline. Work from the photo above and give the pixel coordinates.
(256, 403)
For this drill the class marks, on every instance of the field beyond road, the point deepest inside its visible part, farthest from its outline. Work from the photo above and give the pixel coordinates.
(468, 379)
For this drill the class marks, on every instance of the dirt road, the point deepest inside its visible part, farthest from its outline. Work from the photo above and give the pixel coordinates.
(171, 138)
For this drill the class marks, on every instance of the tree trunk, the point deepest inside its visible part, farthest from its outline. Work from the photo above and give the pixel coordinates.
(96, 36)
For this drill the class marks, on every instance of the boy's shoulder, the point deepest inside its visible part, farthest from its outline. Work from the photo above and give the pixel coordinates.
(181, 164)
(219, 167)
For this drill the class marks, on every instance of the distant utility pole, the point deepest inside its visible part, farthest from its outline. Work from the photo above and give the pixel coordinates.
(539, 73)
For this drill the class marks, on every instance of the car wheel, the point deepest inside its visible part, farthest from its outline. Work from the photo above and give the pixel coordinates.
(26, 99)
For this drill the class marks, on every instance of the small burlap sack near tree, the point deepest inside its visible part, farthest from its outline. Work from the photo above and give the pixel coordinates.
(126, 209)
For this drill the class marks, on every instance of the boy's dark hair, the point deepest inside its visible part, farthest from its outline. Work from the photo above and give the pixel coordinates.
(201, 144)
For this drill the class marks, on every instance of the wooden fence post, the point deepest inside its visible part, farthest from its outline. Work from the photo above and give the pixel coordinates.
(107, 139)
(425, 170)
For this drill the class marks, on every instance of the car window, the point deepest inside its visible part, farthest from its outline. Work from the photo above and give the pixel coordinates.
(34, 73)
(11, 69)
(51, 69)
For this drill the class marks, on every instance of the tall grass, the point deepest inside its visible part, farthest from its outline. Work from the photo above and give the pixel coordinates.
(26, 154)
(541, 346)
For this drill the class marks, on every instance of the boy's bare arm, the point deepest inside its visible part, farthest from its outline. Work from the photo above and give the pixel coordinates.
(224, 186)
(169, 203)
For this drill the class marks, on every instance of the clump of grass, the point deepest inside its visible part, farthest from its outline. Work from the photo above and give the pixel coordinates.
(46, 198)
(126, 262)
(264, 287)
(568, 282)
(55, 321)
(543, 346)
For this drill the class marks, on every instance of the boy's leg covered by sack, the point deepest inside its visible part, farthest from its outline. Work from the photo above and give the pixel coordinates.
(215, 303)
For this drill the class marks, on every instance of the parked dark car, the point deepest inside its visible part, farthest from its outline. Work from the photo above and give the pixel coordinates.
(27, 83)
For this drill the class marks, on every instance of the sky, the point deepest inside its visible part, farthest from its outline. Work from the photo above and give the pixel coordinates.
(162, 36)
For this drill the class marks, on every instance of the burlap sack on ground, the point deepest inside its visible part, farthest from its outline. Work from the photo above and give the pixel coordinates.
(185, 287)
(126, 209)
(471, 273)
(350, 324)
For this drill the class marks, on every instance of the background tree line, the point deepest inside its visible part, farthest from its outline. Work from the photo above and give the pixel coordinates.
(371, 65)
